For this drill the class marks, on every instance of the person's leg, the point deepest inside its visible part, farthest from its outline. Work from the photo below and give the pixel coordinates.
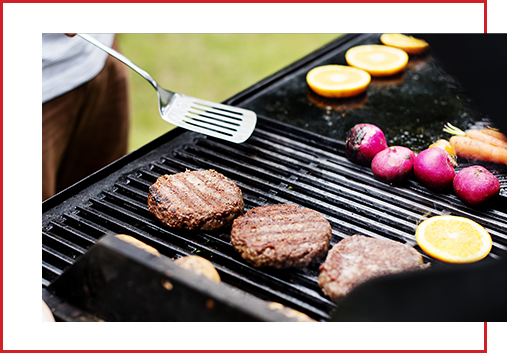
(59, 117)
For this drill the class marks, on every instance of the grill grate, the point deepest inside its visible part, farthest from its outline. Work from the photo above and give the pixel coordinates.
(278, 164)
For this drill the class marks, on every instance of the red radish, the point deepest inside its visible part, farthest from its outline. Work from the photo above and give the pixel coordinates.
(393, 165)
(363, 142)
(433, 168)
(476, 186)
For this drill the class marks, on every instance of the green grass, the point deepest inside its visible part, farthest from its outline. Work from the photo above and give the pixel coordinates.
(208, 66)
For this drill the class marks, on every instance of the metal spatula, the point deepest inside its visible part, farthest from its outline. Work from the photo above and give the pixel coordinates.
(218, 120)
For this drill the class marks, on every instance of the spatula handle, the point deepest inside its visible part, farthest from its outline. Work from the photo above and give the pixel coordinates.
(120, 57)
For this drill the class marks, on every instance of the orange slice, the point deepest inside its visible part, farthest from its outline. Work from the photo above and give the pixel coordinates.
(378, 60)
(407, 43)
(453, 239)
(337, 81)
(445, 145)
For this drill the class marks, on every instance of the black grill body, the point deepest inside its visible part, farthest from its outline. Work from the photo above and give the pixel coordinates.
(296, 155)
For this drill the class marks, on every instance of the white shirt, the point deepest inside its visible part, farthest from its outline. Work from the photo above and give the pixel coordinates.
(68, 62)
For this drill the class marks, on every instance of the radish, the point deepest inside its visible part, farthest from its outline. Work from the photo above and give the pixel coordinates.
(363, 142)
(476, 186)
(433, 168)
(393, 165)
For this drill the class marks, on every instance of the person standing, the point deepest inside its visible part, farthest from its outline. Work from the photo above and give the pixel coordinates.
(85, 111)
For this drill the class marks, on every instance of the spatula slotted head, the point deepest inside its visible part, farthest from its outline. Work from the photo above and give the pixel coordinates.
(218, 120)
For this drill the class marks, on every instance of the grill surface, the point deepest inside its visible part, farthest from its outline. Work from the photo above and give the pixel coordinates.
(276, 165)
(280, 163)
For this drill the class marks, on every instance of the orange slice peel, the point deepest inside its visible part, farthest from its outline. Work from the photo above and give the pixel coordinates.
(337, 81)
(453, 239)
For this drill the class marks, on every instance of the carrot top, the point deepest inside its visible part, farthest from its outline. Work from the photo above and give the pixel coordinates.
(453, 130)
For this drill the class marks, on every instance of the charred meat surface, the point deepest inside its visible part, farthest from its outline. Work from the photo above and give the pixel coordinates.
(355, 260)
(205, 200)
(281, 236)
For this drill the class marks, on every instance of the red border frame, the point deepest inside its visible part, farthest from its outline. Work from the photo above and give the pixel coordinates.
(21, 280)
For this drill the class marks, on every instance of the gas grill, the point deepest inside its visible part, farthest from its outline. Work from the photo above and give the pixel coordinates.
(295, 155)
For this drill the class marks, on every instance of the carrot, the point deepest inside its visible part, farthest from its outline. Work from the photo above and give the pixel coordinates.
(467, 147)
(481, 136)
(495, 133)
(476, 135)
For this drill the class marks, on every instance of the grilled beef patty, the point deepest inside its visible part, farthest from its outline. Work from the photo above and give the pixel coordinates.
(281, 236)
(204, 200)
(357, 259)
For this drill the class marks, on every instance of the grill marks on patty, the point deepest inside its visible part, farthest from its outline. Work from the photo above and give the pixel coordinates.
(281, 236)
(356, 259)
(192, 191)
(204, 200)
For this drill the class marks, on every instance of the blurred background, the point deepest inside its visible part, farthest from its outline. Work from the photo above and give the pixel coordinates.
(209, 66)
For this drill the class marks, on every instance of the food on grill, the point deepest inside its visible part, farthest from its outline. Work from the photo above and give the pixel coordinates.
(357, 259)
(200, 266)
(476, 186)
(204, 200)
(474, 149)
(377, 60)
(289, 312)
(407, 43)
(447, 147)
(453, 239)
(281, 236)
(434, 169)
(363, 142)
(487, 137)
(337, 81)
(493, 137)
(393, 165)
(137, 243)
(484, 145)
(495, 133)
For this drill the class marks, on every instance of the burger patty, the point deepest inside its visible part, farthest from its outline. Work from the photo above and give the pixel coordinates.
(281, 236)
(357, 259)
(204, 200)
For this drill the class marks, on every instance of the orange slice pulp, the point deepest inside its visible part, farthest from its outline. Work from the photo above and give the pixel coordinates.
(453, 239)
(378, 60)
(407, 43)
(337, 81)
